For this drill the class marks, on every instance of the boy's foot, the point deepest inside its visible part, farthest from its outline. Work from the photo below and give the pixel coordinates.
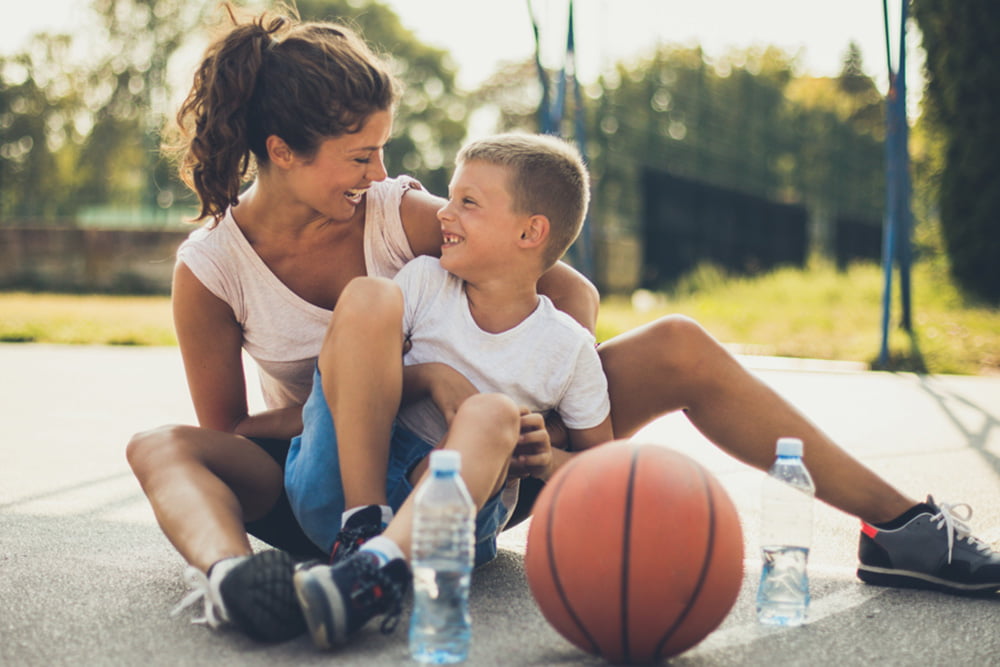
(337, 601)
(363, 525)
(256, 595)
(933, 549)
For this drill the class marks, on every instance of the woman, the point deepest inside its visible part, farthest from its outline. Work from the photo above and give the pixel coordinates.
(310, 107)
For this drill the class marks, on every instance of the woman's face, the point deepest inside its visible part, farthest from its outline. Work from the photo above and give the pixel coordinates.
(334, 181)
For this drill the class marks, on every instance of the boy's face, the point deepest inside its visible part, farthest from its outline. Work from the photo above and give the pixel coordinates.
(479, 227)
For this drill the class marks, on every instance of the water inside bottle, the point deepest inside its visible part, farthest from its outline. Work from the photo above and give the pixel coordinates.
(783, 595)
(439, 633)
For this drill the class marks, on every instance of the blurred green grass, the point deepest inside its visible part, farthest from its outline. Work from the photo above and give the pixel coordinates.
(823, 313)
(817, 313)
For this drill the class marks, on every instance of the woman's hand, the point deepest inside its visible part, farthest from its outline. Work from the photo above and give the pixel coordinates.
(533, 453)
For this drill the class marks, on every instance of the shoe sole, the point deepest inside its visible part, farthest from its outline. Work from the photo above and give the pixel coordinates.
(322, 607)
(262, 611)
(880, 576)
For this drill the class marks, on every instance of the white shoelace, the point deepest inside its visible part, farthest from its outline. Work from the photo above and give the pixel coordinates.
(955, 524)
(206, 590)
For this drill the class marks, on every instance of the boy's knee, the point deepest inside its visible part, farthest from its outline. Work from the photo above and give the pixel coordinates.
(377, 303)
(371, 295)
(495, 413)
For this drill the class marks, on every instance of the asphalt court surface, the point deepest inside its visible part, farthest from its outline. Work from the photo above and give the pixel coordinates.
(88, 579)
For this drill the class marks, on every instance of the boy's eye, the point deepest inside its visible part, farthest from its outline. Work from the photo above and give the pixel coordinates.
(362, 160)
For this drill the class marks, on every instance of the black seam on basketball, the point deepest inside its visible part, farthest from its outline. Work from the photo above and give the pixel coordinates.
(595, 649)
(629, 496)
(693, 598)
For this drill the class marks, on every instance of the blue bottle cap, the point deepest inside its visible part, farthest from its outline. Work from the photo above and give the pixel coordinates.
(789, 447)
(446, 460)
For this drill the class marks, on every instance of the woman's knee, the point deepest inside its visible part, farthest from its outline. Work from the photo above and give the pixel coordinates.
(674, 344)
(150, 450)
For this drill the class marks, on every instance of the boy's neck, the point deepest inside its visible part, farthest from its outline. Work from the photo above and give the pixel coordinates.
(498, 306)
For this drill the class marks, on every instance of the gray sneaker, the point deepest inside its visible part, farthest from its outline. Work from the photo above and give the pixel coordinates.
(933, 549)
(338, 601)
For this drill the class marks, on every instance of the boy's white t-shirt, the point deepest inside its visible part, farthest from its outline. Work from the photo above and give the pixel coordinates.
(547, 362)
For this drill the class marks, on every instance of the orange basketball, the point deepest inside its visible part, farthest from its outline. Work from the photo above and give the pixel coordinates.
(635, 552)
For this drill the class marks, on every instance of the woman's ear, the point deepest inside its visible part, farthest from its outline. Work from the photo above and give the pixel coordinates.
(278, 152)
(535, 231)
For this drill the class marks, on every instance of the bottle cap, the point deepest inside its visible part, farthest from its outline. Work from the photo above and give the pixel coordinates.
(446, 460)
(789, 447)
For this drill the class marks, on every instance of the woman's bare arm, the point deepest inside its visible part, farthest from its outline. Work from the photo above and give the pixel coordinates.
(571, 293)
(210, 340)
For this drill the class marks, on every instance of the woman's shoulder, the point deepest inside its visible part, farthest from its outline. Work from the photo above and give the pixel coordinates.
(209, 236)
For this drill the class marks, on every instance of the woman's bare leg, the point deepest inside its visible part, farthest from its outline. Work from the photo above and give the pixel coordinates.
(674, 364)
(203, 485)
(361, 365)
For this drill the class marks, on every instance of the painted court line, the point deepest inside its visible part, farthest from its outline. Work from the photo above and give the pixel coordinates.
(853, 595)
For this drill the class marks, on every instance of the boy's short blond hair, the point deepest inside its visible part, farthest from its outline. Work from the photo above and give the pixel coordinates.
(547, 177)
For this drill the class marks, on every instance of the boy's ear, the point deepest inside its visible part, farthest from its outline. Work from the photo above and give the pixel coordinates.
(535, 232)
(278, 152)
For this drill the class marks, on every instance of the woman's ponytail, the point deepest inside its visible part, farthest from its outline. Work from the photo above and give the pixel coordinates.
(215, 153)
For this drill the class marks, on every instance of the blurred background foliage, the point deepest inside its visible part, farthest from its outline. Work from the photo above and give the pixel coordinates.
(79, 136)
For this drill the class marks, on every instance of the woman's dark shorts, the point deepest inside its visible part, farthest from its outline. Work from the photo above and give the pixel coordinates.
(279, 527)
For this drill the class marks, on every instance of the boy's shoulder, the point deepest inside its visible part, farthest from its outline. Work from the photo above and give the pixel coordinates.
(424, 275)
(562, 322)
(422, 265)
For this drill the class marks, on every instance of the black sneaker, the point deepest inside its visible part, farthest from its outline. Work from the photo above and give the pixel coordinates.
(360, 527)
(338, 600)
(933, 549)
(256, 595)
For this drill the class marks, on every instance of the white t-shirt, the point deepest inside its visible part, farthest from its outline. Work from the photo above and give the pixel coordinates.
(547, 362)
(283, 332)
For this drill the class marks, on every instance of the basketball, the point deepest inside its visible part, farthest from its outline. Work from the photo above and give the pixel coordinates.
(635, 552)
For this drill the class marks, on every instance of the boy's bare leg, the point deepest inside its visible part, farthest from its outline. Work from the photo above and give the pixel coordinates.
(337, 601)
(361, 366)
(673, 364)
(485, 431)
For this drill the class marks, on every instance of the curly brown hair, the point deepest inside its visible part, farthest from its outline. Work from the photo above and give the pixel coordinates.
(273, 75)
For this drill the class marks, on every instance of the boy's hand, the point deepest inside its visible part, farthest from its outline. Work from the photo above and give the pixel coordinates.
(533, 453)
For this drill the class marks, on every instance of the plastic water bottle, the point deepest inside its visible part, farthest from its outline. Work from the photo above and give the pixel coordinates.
(786, 535)
(442, 558)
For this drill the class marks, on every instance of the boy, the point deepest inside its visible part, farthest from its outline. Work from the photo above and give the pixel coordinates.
(470, 324)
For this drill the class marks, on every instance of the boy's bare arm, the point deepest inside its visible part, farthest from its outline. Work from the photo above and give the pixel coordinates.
(583, 439)
(535, 456)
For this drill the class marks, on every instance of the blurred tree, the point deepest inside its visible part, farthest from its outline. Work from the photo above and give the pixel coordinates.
(38, 111)
(962, 42)
(128, 95)
(743, 122)
(431, 120)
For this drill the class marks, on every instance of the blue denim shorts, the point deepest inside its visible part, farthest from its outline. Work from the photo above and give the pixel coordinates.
(316, 493)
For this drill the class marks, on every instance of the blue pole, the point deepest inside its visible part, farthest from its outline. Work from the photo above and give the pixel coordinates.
(544, 111)
(889, 215)
(584, 244)
(904, 229)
